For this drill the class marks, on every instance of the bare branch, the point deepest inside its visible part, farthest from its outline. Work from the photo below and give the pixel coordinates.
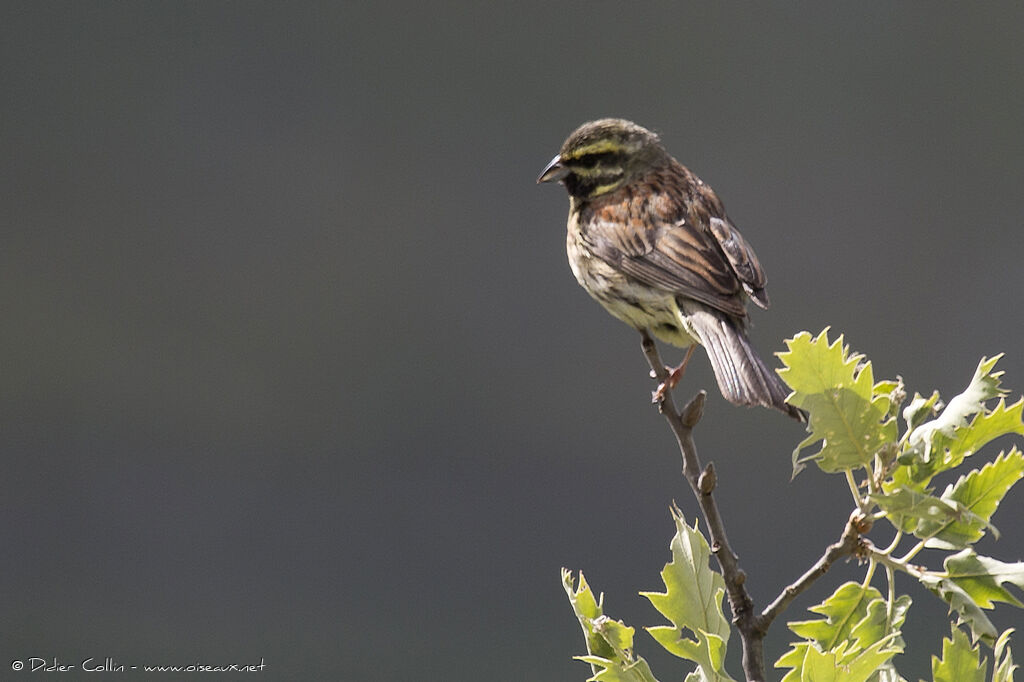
(847, 545)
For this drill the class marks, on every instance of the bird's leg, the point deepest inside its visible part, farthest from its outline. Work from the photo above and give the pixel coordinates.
(675, 374)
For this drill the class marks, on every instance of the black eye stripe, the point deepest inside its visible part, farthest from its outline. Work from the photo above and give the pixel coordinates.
(588, 160)
(592, 159)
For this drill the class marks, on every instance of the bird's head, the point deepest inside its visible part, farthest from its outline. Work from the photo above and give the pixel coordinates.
(602, 156)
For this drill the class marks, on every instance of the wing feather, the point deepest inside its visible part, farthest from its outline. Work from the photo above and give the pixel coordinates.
(667, 237)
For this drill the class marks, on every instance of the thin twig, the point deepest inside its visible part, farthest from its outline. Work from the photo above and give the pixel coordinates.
(847, 545)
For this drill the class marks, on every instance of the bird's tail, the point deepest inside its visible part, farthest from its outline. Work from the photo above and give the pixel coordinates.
(742, 376)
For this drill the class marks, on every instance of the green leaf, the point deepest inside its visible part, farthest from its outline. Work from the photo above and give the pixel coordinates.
(850, 428)
(888, 386)
(963, 603)
(887, 673)
(616, 671)
(821, 666)
(929, 441)
(813, 366)
(984, 386)
(794, 659)
(983, 578)
(976, 497)
(959, 661)
(857, 621)
(861, 666)
(1002, 420)
(894, 390)
(692, 602)
(843, 610)
(908, 508)
(848, 416)
(609, 642)
(842, 664)
(914, 473)
(921, 409)
(1004, 667)
(588, 609)
(708, 650)
(879, 622)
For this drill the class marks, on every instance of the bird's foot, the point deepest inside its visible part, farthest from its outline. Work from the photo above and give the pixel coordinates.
(675, 375)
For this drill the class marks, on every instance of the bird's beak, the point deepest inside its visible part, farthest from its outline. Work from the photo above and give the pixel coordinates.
(553, 172)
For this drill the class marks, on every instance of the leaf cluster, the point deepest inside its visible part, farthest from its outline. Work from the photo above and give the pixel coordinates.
(692, 602)
(858, 635)
(894, 453)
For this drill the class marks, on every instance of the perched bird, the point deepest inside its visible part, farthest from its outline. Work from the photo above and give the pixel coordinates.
(652, 243)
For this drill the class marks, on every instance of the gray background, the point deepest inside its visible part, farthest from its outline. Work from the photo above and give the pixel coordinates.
(294, 366)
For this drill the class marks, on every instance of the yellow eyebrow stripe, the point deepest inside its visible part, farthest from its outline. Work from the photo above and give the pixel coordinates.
(599, 147)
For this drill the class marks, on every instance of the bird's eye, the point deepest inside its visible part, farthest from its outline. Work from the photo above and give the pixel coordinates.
(607, 159)
(589, 160)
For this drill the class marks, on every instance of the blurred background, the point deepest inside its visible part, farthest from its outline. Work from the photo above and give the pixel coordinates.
(294, 367)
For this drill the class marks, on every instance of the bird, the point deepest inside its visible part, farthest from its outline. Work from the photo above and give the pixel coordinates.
(652, 243)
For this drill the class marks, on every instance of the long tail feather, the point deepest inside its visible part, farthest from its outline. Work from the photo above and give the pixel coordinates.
(742, 376)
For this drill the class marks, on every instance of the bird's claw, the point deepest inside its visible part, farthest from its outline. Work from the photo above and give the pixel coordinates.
(674, 375)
